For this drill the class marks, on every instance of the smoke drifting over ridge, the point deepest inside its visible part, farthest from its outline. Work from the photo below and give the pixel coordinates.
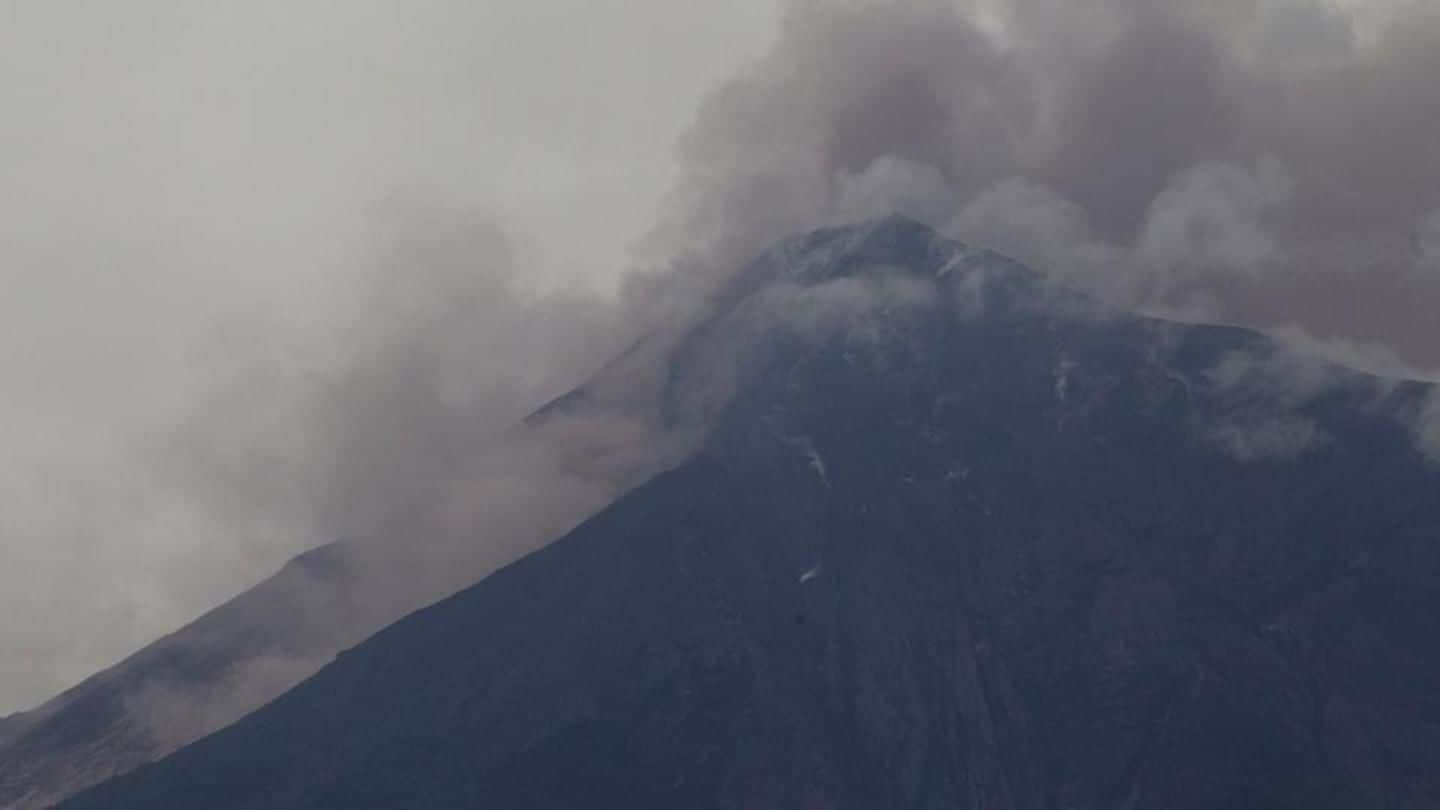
(1271, 163)
(405, 442)
(191, 197)
(1211, 161)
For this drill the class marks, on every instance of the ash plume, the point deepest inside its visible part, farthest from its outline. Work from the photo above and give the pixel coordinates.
(1269, 162)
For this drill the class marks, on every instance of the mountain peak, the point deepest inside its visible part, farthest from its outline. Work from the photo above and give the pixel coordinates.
(895, 242)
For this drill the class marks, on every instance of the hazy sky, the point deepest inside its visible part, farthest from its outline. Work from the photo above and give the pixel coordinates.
(177, 171)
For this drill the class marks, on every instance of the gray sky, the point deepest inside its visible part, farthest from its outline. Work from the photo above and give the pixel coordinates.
(177, 172)
(274, 271)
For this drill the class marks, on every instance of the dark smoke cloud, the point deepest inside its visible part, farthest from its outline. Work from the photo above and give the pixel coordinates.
(1272, 162)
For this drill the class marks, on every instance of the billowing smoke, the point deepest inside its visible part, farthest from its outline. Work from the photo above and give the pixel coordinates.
(406, 442)
(396, 428)
(405, 439)
(1271, 162)
(190, 197)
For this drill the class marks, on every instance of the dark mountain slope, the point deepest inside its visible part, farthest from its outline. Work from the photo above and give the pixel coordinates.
(1005, 560)
(184, 686)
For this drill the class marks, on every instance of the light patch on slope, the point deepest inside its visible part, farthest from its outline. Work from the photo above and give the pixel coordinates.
(807, 446)
(1274, 439)
(1062, 377)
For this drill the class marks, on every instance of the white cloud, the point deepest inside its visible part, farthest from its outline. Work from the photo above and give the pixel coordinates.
(1215, 218)
(892, 185)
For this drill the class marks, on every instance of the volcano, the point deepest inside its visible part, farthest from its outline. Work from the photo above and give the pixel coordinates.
(953, 539)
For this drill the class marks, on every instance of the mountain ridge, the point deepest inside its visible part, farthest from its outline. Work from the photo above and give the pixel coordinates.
(100, 727)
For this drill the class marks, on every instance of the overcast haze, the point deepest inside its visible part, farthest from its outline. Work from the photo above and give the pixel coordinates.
(271, 269)
(178, 174)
